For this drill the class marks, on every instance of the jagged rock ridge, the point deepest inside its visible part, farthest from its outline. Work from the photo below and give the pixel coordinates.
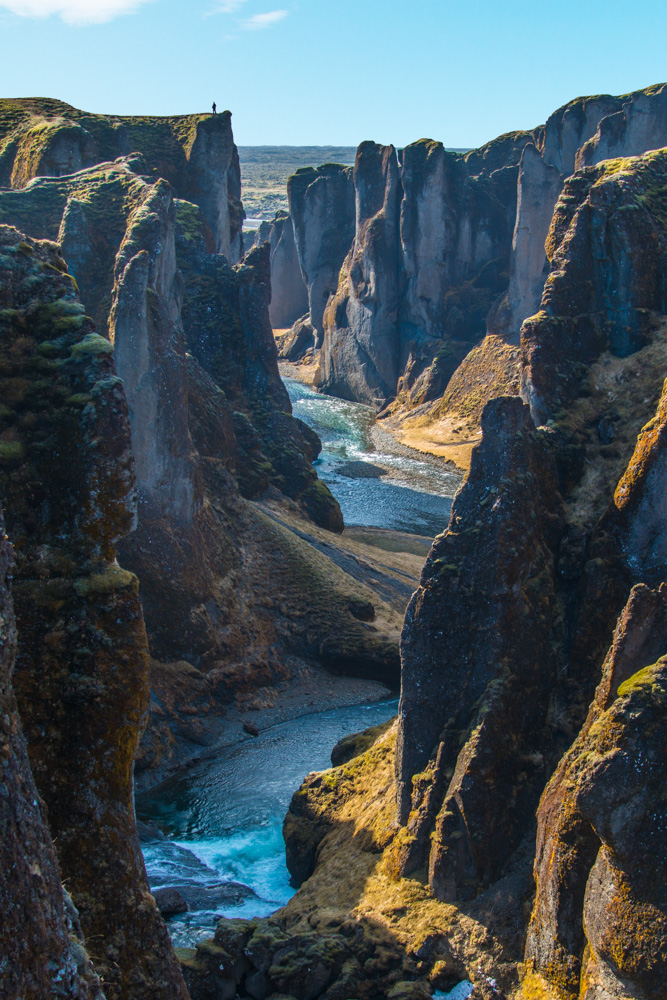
(425, 314)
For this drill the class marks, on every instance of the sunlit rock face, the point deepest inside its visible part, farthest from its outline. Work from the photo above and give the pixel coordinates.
(322, 208)
(527, 582)
(581, 133)
(81, 678)
(466, 258)
(606, 246)
(195, 153)
(360, 349)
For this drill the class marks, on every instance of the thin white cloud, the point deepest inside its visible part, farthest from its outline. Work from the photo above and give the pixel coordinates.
(258, 21)
(73, 11)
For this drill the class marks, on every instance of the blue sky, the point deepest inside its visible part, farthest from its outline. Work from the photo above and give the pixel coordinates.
(334, 72)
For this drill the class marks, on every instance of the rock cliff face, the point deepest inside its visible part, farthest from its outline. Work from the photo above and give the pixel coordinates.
(289, 295)
(195, 153)
(467, 259)
(637, 124)
(554, 552)
(494, 567)
(571, 138)
(42, 950)
(360, 348)
(322, 208)
(599, 922)
(81, 678)
(540, 582)
(213, 437)
(606, 245)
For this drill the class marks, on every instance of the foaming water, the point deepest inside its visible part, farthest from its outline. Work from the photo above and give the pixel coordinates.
(223, 818)
(460, 992)
(374, 485)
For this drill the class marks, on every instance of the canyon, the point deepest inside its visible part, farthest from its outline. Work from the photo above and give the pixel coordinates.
(172, 559)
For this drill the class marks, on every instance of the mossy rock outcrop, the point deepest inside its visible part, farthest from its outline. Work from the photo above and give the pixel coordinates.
(40, 137)
(81, 676)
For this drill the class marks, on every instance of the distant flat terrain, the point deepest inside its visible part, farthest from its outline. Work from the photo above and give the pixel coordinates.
(265, 169)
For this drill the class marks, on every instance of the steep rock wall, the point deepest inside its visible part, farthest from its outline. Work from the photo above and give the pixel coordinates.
(289, 295)
(583, 132)
(581, 565)
(40, 940)
(493, 568)
(639, 124)
(599, 922)
(454, 236)
(215, 439)
(321, 204)
(606, 247)
(553, 545)
(469, 259)
(81, 679)
(195, 153)
(360, 349)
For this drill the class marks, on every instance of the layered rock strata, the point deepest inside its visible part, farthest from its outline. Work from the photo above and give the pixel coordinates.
(81, 679)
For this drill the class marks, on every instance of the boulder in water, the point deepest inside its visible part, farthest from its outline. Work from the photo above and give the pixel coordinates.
(169, 901)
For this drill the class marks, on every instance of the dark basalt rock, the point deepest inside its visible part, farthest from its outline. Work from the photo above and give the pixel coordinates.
(40, 938)
(172, 900)
(81, 680)
(169, 901)
(494, 567)
(600, 912)
(606, 248)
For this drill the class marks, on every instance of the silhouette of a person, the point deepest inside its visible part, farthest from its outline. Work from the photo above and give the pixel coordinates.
(215, 111)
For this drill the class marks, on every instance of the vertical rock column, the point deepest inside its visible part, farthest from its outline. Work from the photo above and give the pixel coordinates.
(67, 482)
(360, 353)
(212, 179)
(289, 295)
(145, 327)
(321, 204)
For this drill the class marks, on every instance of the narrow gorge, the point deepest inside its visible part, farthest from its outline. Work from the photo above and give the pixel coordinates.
(378, 485)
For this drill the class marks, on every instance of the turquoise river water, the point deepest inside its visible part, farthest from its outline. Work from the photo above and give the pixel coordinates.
(222, 819)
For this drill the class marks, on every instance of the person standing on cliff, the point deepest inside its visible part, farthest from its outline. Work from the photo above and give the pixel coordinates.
(214, 108)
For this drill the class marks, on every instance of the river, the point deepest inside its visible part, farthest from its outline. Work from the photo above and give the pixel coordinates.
(376, 481)
(223, 817)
